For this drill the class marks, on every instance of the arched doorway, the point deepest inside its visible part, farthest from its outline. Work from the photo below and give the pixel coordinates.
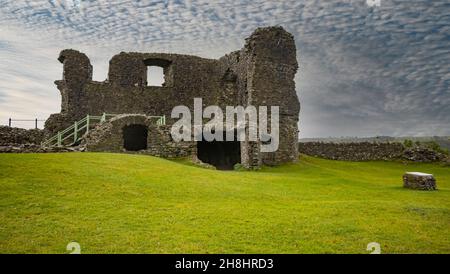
(135, 137)
(221, 154)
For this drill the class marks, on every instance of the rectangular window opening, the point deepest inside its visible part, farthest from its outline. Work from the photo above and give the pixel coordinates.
(155, 76)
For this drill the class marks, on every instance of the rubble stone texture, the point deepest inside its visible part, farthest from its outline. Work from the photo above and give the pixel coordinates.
(108, 136)
(418, 180)
(260, 74)
(364, 151)
(34, 148)
(424, 155)
(14, 136)
(369, 151)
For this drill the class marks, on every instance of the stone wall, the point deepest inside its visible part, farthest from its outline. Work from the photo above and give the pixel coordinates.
(367, 151)
(424, 155)
(261, 73)
(352, 151)
(19, 140)
(265, 69)
(33, 148)
(109, 137)
(16, 136)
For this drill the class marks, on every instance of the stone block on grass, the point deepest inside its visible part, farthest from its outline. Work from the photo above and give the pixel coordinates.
(419, 180)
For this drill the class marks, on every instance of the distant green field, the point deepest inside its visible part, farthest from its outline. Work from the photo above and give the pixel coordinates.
(117, 203)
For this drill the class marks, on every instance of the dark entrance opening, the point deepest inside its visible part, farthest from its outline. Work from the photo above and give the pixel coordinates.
(135, 137)
(221, 154)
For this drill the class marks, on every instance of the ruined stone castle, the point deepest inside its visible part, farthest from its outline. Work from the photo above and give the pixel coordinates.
(260, 74)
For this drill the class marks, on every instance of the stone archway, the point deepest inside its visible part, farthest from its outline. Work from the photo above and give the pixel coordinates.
(221, 154)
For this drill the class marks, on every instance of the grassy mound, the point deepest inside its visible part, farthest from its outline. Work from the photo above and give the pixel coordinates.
(116, 203)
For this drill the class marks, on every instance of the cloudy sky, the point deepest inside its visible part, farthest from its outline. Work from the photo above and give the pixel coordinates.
(364, 70)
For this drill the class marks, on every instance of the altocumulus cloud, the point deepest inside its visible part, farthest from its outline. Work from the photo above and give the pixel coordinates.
(364, 70)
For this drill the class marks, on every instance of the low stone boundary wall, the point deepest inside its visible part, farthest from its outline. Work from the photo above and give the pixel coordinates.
(18, 136)
(366, 151)
(32, 148)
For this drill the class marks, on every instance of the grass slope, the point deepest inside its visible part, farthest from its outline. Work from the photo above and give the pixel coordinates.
(113, 203)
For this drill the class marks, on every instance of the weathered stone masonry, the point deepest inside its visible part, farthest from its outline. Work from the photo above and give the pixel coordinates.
(368, 151)
(109, 137)
(262, 73)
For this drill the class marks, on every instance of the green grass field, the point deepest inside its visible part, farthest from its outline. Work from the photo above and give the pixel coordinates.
(117, 203)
